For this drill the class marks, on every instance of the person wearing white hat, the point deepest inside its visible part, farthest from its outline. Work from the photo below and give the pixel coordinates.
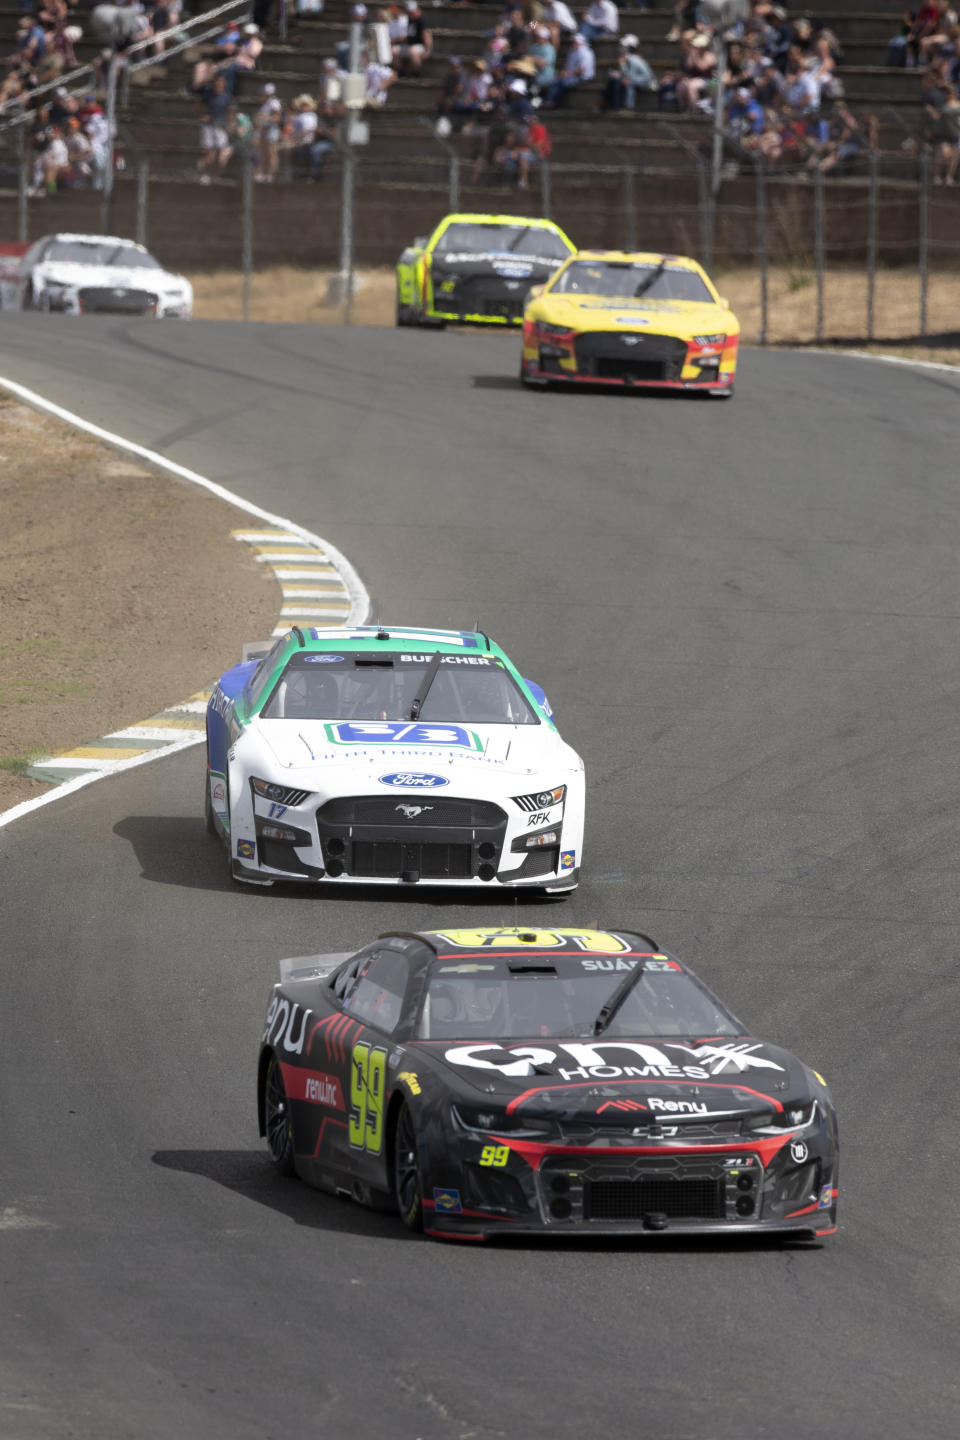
(266, 126)
(579, 67)
(630, 74)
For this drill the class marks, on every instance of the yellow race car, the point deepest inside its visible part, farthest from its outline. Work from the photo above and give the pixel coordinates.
(609, 317)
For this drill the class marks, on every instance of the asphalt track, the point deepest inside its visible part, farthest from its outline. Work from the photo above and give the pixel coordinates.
(745, 615)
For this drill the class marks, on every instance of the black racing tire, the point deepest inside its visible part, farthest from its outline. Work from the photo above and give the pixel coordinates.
(405, 314)
(209, 824)
(29, 301)
(278, 1121)
(407, 1181)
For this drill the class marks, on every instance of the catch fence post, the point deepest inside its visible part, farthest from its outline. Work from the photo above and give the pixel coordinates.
(762, 247)
(871, 243)
(143, 199)
(23, 186)
(454, 181)
(106, 209)
(629, 208)
(246, 228)
(545, 196)
(923, 255)
(818, 245)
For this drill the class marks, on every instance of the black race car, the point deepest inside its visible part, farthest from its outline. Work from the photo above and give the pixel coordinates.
(489, 1082)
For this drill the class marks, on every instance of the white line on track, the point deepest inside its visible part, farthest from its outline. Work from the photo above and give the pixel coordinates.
(354, 614)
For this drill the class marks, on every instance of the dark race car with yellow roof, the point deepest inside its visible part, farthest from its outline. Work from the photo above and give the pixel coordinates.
(644, 321)
(477, 269)
(559, 1081)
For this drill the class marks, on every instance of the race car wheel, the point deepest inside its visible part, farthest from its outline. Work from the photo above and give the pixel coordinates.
(407, 1185)
(529, 384)
(277, 1118)
(405, 315)
(208, 820)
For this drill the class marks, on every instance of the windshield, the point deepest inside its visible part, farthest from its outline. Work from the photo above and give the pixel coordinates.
(98, 252)
(484, 1000)
(476, 689)
(517, 239)
(631, 279)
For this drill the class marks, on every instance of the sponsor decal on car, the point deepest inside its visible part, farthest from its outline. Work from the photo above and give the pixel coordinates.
(411, 1080)
(413, 780)
(247, 849)
(322, 659)
(798, 1151)
(448, 1200)
(568, 859)
(591, 1060)
(402, 732)
(499, 939)
(317, 1088)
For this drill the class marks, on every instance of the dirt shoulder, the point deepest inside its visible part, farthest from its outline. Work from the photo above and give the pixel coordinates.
(122, 591)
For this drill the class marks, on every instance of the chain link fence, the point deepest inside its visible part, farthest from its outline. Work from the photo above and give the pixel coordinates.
(788, 238)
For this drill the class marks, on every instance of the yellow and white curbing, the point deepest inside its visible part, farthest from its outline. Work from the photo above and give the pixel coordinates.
(328, 602)
(335, 595)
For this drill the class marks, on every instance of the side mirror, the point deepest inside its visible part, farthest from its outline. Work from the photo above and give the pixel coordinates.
(724, 302)
(534, 291)
(420, 242)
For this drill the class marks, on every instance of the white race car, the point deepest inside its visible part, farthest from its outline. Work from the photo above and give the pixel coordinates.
(93, 274)
(391, 756)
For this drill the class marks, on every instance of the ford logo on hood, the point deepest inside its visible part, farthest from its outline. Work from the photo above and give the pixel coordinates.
(413, 780)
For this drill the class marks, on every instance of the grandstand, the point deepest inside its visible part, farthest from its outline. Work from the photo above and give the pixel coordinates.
(607, 172)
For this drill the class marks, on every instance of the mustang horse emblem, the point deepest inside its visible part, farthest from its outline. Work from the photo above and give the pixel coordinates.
(410, 812)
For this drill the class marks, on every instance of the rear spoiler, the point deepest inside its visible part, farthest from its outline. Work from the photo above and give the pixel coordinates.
(256, 649)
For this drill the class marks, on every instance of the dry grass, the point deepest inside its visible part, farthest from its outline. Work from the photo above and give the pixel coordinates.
(288, 294)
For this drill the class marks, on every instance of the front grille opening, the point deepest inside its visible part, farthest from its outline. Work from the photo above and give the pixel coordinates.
(610, 368)
(389, 860)
(632, 1199)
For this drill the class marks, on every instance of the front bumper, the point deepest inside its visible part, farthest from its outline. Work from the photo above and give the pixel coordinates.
(650, 1190)
(479, 300)
(629, 361)
(404, 839)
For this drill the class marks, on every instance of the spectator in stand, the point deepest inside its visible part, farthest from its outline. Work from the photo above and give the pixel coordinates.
(51, 164)
(217, 111)
(600, 22)
(943, 132)
(97, 131)
(331, 90)
(417, 44)
(79, 153)
(630, 74)
(521, 149)
(453, 87)
(164, 16)
(844, 141)
(476, 93)
(266, 135)
(308, 142)
(744, 117)
(379, 78)
(542, 51)
(61, 108)
(579, 68)
(932, 44)
(769, 85)
(698, 66)
(120, 26)
(556, 15)
(802, 91)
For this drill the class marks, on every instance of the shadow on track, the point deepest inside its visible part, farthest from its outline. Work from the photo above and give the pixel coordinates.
(250, 1174)
(176, 850)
